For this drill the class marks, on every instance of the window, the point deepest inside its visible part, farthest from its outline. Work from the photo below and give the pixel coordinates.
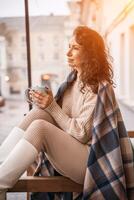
(41, 57)
(10, 56)
(131, 61)
(0, 59)
(23, 56)
(56, 56)
(23, 40)
(40, 41)
(122, 64)
(56, 41)
(9, 40)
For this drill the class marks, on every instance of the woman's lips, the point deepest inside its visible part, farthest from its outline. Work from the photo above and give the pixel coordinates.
(70, 60)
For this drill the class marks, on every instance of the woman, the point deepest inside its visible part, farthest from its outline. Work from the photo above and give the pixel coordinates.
(61, 126)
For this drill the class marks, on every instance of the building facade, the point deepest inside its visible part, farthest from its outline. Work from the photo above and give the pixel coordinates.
(3, 68)
(49, 37)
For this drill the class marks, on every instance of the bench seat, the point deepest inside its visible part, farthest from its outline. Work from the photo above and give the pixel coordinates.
(46, 184)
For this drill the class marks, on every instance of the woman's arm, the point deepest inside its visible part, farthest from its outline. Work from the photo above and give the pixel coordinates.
(78, 127)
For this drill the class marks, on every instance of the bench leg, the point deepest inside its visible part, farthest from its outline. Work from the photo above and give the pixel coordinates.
(68, 196)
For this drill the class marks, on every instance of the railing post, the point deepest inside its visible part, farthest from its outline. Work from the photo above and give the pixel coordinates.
(28, 46)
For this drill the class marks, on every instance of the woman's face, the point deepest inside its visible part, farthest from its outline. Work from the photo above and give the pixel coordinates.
(75, 55)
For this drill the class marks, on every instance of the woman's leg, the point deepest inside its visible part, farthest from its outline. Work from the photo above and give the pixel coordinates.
(17, 132)
(35, 113)
(12, 139)
(67, 155)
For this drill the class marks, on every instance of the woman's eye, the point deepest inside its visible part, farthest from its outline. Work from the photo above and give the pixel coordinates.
(76, 48)
(73, 47)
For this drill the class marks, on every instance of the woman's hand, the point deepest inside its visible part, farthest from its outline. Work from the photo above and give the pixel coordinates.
(42, 100)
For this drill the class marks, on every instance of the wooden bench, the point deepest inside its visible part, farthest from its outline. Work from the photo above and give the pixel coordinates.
(46, 184)
(49, 184)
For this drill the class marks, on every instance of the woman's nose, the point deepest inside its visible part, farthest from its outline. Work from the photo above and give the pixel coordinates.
(69, 53)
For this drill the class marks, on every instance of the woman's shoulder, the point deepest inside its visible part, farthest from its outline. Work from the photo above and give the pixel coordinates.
(106, 85)
(88, 92)
(89, 95)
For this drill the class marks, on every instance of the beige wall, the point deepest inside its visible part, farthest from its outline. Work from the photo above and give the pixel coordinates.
(111, 10)
(91, 13)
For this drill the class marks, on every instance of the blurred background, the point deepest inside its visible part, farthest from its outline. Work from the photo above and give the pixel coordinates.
(51, 25)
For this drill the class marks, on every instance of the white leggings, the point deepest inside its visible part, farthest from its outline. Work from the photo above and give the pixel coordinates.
(67, 155)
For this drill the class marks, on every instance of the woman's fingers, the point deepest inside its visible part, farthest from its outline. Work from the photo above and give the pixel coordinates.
(37, 98)
(38, 95)
(40, 99)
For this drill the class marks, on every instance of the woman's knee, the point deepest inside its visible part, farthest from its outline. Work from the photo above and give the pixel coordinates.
(39, 123)
(42, 115)
(29, 118)
(36, 129)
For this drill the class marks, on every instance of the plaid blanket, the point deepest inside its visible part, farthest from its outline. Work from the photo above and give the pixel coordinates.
(110, 167)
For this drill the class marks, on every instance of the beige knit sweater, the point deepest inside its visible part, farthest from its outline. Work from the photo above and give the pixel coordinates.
(75, 116)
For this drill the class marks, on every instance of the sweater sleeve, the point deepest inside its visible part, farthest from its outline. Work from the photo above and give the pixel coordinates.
(77, 127)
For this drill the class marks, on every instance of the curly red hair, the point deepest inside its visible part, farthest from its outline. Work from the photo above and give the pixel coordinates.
(97, 65)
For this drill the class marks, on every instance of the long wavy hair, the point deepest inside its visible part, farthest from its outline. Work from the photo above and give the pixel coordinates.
(97, 65)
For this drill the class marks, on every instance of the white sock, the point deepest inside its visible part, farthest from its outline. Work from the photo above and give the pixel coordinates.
(9, 143)
(21, 157)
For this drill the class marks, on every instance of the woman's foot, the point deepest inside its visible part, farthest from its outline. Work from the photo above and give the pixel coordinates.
(21, 157)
